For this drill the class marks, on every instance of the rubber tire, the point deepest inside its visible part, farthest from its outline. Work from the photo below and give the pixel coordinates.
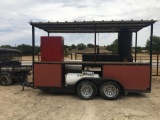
(92, 85)
(5, 80)
(113, 84)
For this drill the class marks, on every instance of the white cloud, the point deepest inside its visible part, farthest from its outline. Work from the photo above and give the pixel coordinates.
(15, 15)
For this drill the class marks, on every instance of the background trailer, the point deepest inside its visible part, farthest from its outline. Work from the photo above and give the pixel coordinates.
(11, 68)
(108, 74)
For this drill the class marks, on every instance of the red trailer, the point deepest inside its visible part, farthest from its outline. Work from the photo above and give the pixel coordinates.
(109, 75)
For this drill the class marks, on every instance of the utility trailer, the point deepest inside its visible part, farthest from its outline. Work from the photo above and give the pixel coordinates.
(96, 73)
(11, 70)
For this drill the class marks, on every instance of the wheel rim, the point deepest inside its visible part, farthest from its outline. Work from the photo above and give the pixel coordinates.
(110, 91)
(86, 90)
(3, 80)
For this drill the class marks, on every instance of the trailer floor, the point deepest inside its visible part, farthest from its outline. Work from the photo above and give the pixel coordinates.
(32, 104)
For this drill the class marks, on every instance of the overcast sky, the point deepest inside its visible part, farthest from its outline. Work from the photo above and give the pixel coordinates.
(15, 15)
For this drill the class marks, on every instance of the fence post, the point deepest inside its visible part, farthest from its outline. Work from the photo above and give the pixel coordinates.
(71, 56)
(157, 62)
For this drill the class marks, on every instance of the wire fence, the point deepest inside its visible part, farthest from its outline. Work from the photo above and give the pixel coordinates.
(140, 58)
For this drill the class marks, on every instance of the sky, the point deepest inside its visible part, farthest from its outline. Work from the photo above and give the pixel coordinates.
(15, 16)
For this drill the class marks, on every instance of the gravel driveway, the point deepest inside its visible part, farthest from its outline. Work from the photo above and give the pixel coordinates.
(34, 104)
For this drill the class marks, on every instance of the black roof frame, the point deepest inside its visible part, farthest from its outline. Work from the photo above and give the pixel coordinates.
(90, 26)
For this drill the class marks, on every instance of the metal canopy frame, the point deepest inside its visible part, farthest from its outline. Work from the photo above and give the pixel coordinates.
(90, 26)
(93, 27)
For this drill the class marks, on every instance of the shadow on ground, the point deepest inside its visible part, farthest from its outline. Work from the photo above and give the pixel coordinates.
(74, 95)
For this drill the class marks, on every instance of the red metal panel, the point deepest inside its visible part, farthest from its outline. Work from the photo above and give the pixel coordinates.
(132, 77)
(52, 49)
(47, 75)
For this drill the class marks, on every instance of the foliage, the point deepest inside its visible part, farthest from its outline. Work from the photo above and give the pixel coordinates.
(70, 48)
(139, 49)
(6, 46)
(37, 49)
(81, 46)
(66, 53)
(113, 47)
(155, 44)
(66, 50)
(26, 49)
(73, 46)
(66, 47)
(90, 45)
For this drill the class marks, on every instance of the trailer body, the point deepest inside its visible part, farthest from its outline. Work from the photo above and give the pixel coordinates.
(132, 77)
(53, 73)
(110, 75)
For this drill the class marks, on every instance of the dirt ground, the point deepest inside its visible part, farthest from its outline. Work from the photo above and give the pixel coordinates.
(34, 104)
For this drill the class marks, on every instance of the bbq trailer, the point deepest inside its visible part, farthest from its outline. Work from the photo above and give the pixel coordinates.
(109, 75)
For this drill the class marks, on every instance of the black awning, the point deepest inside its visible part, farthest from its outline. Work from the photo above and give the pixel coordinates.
(92, 26)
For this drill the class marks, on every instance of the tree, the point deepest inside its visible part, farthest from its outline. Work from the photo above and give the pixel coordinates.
(26, 49)
(66, 47)
(155, 44)
(73, 46)
(70, 48)
(90, 45)
(6, 46)
(66, 53)
(37, 49)
(81, 46)
(113, 47)
(139, 49)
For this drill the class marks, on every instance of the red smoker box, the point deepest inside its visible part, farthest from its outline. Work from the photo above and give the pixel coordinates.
(52, 49)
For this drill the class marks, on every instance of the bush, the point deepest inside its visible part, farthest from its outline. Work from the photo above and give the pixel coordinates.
(73, 46)
(90, 45)
(81, 46)
(113, 47)
(155, 44)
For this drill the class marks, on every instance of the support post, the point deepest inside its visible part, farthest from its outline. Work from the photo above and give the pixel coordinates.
(151, 37)
(75, 56)
(48, 34)
(95, 44)
(136, 48)
(157, 63)
(33, 46)
(71, 56)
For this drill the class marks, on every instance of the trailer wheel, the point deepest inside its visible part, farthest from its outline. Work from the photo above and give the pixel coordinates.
(110, 90)
(86, 90)
(5, 80)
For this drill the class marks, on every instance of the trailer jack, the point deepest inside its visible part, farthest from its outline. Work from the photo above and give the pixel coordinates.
(26, 84)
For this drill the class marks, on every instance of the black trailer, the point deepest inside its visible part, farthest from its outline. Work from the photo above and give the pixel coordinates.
(11, 69)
